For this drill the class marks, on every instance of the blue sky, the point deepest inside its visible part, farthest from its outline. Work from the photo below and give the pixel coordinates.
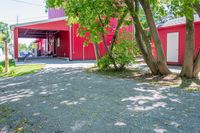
(26, 10)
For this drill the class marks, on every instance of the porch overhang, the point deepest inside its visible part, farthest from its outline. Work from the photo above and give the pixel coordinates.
(38, 29)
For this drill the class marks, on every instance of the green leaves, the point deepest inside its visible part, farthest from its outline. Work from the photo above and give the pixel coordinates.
(4, 33)
(92, 15)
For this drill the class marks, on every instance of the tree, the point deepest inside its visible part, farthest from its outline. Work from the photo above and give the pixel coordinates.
(158, 65)
(191, 65)
(161, 59)
(144, 46)
(5, 38)
(94, 20)
(22, 47)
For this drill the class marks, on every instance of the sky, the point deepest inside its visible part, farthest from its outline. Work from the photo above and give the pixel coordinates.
(26, 10)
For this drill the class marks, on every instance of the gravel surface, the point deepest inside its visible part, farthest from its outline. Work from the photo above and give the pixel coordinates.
(68, 100)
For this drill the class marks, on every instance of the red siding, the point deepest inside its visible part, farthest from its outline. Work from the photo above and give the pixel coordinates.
(63, 50)
(16, 52)
(79, 52)
(56, 25)
(181, 29)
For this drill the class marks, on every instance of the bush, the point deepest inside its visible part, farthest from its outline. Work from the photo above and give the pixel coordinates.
(11, 63)
(1, 69)
(104, 62)
(123, 53)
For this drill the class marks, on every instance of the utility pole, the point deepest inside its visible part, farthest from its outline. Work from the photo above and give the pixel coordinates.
(17, 19)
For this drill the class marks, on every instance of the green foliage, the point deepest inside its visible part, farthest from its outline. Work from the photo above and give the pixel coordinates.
(93, 16)
(23, 70)
(11, 62)
(1, 69)
(123, 53)
(4, 33)
(24, 47)
(104, 62)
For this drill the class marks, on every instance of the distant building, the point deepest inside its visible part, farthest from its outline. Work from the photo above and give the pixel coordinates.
(55, 37)
(173, 37)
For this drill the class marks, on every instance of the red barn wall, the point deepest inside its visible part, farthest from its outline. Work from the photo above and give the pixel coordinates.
(80, 52)
(64, 49)
(181, 29)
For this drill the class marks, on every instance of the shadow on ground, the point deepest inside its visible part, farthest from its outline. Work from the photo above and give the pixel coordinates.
(69, 100)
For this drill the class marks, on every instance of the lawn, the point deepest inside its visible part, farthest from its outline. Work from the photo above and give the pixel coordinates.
(21, 70)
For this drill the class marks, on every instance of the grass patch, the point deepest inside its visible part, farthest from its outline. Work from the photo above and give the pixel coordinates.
(5, 112)
(172, 80)
(23, 70)
(10, 117)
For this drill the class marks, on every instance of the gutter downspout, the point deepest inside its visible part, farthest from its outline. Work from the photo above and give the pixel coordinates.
(70, 41)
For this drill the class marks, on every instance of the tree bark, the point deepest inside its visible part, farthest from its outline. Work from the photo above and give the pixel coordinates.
(161, 59)
(105, 44)
(147, 58)
(197, 8)
(187, 69)
(119, 24)
(97, 54)
(196, 69)
(6, 58)
(146, 51)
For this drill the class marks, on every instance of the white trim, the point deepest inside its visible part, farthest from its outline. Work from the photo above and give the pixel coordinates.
(73, 40)
(70, 42)
(83, 52)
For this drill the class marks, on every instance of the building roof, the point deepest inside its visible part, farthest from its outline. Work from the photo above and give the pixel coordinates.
(177, 21)
(38, 22)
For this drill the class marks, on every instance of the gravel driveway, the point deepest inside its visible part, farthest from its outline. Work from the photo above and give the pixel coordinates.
(69, 100)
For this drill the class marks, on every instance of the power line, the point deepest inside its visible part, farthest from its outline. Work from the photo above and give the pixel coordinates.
(28, 3)
(24, 18)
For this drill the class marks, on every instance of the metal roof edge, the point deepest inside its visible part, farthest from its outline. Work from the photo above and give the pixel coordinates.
(38, 22)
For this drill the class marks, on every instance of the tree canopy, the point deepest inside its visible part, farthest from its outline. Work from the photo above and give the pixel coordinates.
(4, 32)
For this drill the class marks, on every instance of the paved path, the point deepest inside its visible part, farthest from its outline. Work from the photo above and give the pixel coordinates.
(68, 100)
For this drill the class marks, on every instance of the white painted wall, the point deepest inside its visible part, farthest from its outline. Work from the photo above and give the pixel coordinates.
(172, 47)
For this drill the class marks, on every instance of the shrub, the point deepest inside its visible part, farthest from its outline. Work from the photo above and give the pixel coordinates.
(1, 69)
(104, 62)
(123, 53)
(11, 62)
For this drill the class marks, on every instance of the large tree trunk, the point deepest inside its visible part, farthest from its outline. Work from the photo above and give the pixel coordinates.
(6, 58)
(147, 58)
(187, 69)
(196, 69)
(161, 59)
(146, 51)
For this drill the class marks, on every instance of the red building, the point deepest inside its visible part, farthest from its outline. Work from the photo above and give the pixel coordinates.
(173, 37)
(54, 36)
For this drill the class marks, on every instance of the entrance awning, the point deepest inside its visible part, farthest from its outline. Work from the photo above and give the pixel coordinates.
(57, 24)
(38, 29)
(30, 33)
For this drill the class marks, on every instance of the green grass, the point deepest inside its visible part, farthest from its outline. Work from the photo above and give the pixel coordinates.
(23, 70)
